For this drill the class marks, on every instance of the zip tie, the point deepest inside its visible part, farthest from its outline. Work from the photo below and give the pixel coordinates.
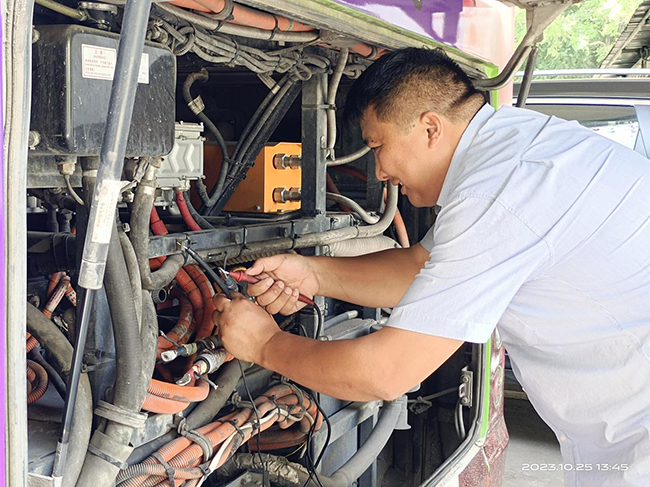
(238, 430)
(169, 470)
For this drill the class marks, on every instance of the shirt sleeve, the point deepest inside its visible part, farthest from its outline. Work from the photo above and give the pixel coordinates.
(480, 254)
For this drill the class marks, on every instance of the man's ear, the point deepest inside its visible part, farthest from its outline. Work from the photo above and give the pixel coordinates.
(433, 125)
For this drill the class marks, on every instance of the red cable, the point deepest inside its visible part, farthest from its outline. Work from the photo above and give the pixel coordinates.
(185, 212)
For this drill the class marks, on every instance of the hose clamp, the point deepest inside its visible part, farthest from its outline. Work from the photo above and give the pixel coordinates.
(226, 12)
(120, 415)
(197, 105)
(200, 440)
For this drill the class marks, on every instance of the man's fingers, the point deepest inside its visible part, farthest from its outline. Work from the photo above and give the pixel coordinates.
(261, 287)
(265, 264)
(290, 305)
(280, 302)
(220, 302)
(271, 294)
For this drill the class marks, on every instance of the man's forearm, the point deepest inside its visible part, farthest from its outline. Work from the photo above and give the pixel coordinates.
(382, 365)
(376, 280)
(344, 369)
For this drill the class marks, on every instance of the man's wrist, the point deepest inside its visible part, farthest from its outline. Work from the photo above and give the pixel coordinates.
(265, 355)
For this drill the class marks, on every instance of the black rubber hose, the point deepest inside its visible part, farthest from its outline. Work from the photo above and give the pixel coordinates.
(209, 201)
(140, 213)
(261, 133)
(128, 392)
(148, 338)
(212, 128)
(133, 269)
(258, 112)
(55, 378)
(60, 349)
(187, 94)
(203, 223)
(229, 376)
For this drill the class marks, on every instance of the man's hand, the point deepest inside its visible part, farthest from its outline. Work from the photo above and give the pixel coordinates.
(244, 327)
(282, 279)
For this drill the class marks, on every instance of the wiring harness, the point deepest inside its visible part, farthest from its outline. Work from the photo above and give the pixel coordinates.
(286, 415)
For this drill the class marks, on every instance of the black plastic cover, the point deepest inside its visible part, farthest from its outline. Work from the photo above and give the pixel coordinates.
(72, 76)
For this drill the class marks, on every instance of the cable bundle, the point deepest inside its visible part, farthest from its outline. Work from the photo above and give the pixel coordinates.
(289, 410)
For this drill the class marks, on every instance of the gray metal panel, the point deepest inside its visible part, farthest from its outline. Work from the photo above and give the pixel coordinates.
(625, 52)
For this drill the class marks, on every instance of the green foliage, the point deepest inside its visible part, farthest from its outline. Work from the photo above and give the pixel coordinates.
(583, 35)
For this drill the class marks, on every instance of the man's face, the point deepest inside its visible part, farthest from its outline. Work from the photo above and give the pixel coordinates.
(416, 156)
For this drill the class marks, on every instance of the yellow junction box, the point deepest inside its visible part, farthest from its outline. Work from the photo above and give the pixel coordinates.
(256, 192)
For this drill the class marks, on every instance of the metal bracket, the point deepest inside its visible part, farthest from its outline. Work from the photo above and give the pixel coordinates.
(466, 389)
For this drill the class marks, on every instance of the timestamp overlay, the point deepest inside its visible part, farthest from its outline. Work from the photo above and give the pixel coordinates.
(576, 467)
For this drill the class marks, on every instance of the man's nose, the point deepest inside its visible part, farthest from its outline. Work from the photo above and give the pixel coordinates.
(379, 174)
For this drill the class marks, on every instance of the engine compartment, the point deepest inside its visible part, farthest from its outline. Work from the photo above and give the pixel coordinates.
(235, 151)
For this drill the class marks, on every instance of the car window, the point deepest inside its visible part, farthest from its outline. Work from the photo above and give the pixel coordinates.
(618, 123)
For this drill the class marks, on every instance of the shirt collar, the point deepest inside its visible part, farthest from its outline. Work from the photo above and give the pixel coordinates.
(464, 144)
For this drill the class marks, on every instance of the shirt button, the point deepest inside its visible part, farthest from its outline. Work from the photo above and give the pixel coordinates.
(562, 438)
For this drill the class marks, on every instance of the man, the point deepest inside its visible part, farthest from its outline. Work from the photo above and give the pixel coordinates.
(543, 231)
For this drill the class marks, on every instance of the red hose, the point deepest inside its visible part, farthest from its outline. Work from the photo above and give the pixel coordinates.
(185, 212)
(161, 405)
(184, 326)
(205, 325)
(158, 227)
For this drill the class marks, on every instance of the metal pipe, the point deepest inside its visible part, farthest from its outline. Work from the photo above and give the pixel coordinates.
(354, 206)
(61, 454)
(331, 100)
(59, 8)
(335, 320)
(102, 210)
(349, 158)
(528, 77)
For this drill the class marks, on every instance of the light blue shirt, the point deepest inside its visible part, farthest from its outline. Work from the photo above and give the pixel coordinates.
(544, 232)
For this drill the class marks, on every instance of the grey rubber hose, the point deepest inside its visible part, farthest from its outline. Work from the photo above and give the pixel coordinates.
(362, 246)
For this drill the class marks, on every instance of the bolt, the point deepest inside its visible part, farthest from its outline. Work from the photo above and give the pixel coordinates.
(35, 300)
(34, 139)
(36, 35)
(257, 208)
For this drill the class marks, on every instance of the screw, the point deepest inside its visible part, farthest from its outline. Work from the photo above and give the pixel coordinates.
(258, 207)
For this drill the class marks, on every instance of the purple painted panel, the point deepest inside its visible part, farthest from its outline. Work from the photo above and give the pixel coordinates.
(483, 28)
(416, 15)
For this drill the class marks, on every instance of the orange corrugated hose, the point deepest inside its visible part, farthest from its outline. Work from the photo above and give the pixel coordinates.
(246, 16)
(31, 342)
(179, 393)
(37, 377)
(182, 454)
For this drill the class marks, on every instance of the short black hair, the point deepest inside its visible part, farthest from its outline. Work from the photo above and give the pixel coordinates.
(405, 83)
